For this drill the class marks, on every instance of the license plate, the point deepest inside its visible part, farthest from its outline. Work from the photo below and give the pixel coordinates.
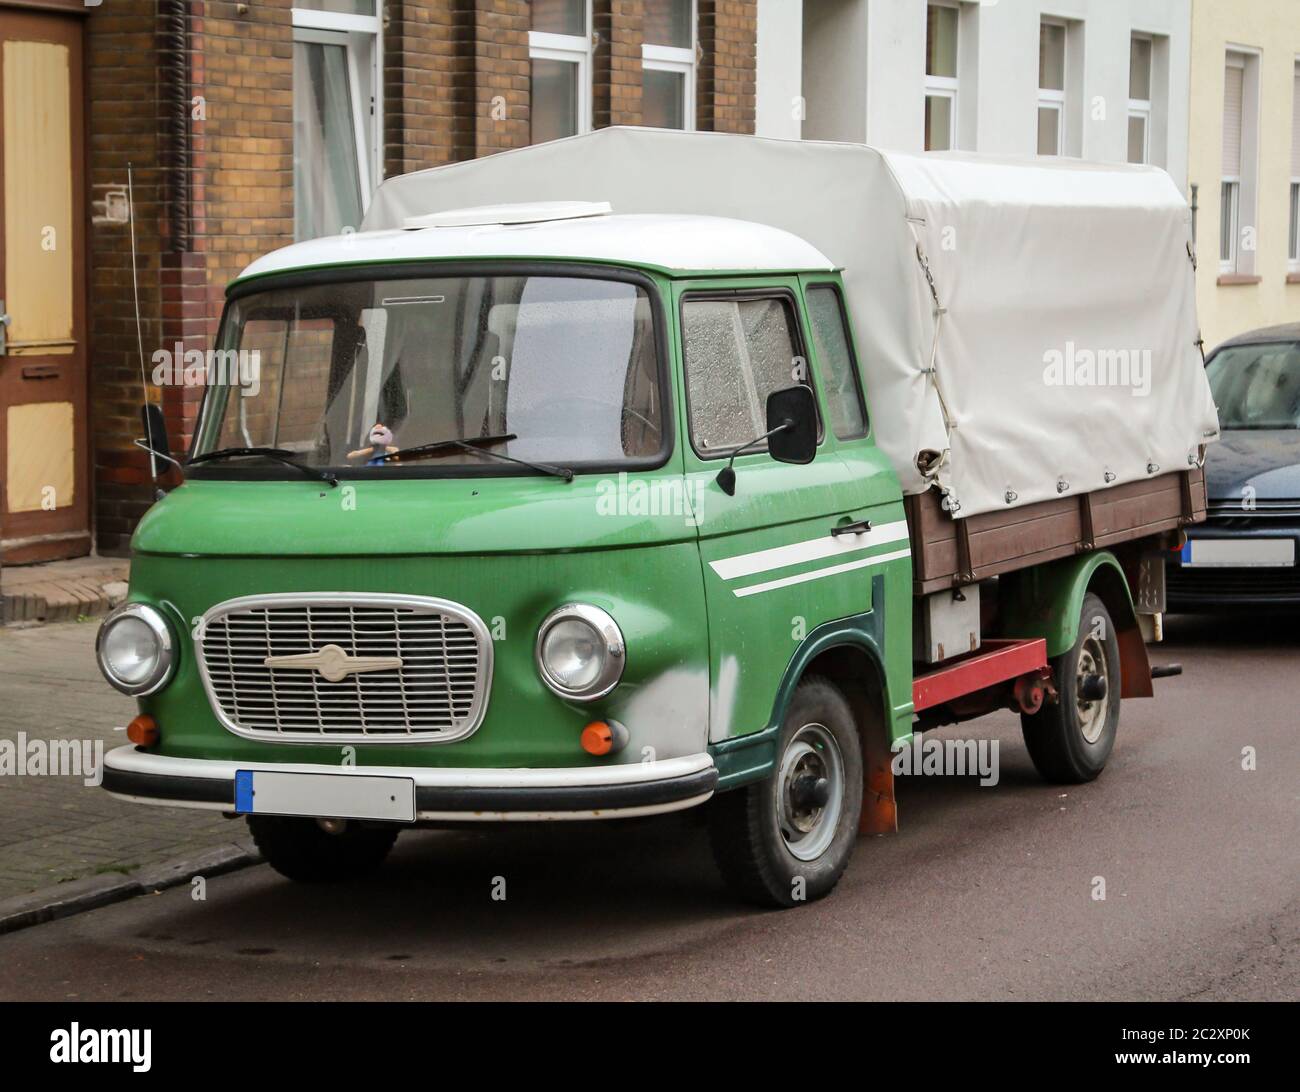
(1240, 553)
(325, 796)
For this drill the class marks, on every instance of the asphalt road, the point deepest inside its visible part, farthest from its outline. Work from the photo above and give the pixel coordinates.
(986, 893)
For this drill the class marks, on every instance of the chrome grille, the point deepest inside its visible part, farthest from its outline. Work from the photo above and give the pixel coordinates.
(1235, 514)
(438, 694)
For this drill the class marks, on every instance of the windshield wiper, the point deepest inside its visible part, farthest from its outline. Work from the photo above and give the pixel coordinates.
(476, 445)
(276, 454)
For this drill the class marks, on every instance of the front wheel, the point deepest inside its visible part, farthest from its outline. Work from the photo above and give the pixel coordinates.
(303, 850)
(787, 839)
(1070, 739)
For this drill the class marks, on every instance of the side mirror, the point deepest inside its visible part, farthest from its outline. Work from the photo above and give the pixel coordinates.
(155, 429)
(796, 409)
(791, 433)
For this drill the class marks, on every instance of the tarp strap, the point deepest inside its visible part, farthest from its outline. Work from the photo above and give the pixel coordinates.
(950, 501)
(939, 312)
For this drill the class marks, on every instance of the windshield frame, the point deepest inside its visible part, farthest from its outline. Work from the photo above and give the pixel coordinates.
(312, 277)
(1250, 344)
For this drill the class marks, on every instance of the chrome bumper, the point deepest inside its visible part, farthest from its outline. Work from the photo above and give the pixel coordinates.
(587, 792)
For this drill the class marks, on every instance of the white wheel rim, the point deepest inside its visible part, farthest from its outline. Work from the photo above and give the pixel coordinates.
(809, 830)
(1092, 714)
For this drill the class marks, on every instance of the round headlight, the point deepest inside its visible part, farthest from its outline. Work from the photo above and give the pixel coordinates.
(135, 649)
(580, 652)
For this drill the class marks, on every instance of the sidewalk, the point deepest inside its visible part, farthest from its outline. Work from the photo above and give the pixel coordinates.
(54, 830)
(61, 591)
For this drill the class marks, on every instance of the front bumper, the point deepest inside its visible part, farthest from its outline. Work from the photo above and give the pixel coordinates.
(589, 792)
(1196, 588)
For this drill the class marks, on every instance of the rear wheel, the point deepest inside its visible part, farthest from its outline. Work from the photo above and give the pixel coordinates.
(1070, 740)
(787, 839)
(302, 850)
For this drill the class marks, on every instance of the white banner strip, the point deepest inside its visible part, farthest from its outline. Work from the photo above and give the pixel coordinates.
(817, 574)
(814, 549)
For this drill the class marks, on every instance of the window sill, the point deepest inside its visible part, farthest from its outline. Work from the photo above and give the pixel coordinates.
(1238, 278)
(1293, 278)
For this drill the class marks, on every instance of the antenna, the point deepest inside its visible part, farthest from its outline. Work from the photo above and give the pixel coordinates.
(139, 334)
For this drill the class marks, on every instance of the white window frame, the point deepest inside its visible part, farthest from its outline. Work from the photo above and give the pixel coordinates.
(1049, 98)
(1141, 108)
(1245, 184)
(572, 49)
(946, 87)
(356, 33)
(1292, 194)
(1229, 264)
(678, 59)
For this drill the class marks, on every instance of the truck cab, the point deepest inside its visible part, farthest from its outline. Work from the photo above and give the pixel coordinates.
(530, 513)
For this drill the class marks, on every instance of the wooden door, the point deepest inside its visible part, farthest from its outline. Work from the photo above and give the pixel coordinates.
(44, 509)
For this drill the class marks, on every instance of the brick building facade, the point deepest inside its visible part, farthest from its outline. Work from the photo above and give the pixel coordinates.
(198, 96)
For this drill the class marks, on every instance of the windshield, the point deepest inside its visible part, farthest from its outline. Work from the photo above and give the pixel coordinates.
(343, 374)
(1257, 386)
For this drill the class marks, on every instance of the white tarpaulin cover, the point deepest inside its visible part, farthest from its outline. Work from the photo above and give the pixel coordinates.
(1065, 356)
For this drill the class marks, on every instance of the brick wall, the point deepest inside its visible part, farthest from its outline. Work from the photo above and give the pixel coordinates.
(616, 64)
(423, 125)
(123, 121)
(725, 84)
(499, 102)
(456, 85)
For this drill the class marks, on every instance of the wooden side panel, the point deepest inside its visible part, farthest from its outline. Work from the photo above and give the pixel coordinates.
(1028, 532)
(946, 552)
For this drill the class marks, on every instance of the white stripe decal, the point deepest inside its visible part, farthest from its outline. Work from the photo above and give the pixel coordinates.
(817, 574)
(814, 549)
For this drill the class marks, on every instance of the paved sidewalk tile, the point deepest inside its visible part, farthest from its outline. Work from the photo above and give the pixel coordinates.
(55, 830)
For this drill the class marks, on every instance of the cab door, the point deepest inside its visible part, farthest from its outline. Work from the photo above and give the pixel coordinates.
(774, 565)
(884, 564)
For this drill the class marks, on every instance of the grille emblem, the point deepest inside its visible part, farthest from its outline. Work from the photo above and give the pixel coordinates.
(334, 663)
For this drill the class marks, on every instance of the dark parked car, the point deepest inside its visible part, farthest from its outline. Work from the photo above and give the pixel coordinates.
(1245, 552)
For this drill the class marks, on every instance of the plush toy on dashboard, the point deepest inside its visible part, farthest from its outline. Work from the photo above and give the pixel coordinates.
(381, 443)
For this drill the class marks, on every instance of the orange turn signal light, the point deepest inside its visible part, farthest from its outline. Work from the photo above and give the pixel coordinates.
(597, 738)
(142, 731)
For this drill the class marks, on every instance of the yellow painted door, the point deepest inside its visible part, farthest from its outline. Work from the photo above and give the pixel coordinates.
(44, 472)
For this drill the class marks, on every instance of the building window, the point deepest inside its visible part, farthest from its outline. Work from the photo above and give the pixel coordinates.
(941, 27)
(1051, 88)
(668, 64)
(336, 100)
(1140, 56)
(1293, 238)
(559, 51)
(1236, 179)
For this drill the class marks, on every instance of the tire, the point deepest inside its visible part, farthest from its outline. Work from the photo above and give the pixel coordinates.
(1070, 739)
(300, 850)
(773, 850)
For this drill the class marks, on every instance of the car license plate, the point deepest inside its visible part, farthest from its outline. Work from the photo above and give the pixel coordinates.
(1240, 553)
(331, 796)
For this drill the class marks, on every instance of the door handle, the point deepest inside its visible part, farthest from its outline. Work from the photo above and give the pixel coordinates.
(5, 320)
(859, 528)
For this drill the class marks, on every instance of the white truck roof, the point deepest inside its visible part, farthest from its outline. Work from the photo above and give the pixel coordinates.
(1045, 272)
(675, 243)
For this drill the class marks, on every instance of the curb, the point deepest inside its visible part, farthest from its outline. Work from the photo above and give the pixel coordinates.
(93, 892)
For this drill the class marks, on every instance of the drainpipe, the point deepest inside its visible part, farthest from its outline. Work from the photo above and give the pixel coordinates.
(174, 43)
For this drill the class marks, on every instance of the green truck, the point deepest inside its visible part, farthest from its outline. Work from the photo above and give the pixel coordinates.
(545, 511)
